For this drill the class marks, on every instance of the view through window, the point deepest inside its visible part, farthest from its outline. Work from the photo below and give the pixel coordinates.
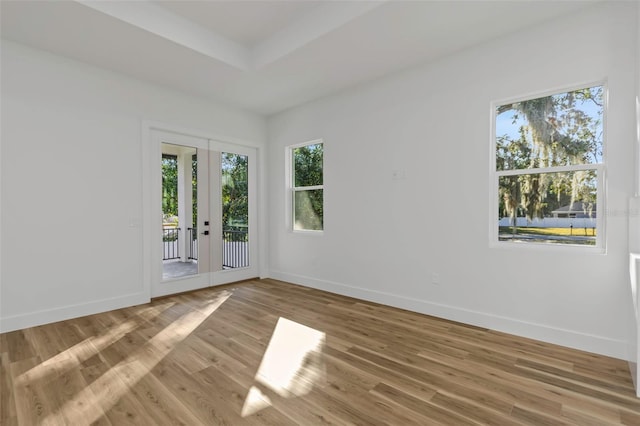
(307, 186)
(549, 168)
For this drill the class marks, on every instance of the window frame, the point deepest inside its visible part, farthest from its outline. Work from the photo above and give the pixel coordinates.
(599, 168)
(292, 189)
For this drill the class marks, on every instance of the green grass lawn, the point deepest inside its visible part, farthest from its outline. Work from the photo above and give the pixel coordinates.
(578, 232)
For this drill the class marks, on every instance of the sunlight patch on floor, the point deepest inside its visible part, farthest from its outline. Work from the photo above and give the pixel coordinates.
(256, 400)
(80, 352)
(101, 395)
(291, 365)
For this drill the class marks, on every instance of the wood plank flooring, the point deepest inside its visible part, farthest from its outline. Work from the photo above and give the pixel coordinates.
(264, 352)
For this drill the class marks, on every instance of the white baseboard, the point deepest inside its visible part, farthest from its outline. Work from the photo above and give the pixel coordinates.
(572, 339)
(47, 316)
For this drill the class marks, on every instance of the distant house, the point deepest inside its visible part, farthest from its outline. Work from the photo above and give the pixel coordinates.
(576, 210)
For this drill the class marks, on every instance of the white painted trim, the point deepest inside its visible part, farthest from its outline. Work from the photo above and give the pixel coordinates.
(290, 188)
(321, 20)
(151, 154)
(181, 285)
(159, 287)
(147, 199)
(312, 232)
(634, 341)
(543, 170)
(637, 151)
(48, 316)
(307, 188)
(553, 91)
(196, 133)
(301, 144)
(161, 22)
(568, 338)
(263, 213)
(252, 271)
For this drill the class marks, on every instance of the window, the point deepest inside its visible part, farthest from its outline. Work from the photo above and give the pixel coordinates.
(549, 169)
(307, 186)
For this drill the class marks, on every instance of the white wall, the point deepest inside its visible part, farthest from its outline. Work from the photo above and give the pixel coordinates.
(634, 233)
(638, 102)
(385, 238)
(72, 182)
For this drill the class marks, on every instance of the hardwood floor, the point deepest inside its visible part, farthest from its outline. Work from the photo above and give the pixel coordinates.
(265, 352)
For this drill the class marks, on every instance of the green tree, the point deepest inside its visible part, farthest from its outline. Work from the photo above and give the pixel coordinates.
(308, 172)
(169, 185)
(558, 130)
(235, 191)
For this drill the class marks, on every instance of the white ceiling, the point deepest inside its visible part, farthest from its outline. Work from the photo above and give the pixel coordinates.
(246, 22)
(266, 56)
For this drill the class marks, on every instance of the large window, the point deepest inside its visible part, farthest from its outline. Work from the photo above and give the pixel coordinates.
(549, 169)
(307, 186)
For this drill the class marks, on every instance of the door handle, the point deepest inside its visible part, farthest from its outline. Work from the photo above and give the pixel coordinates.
(205, 233)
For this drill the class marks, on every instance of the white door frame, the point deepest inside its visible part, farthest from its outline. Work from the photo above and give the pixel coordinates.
(155, 135)
(191, 282)
(224, 276)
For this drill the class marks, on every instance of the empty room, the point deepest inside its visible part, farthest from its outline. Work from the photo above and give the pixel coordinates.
(313, 212)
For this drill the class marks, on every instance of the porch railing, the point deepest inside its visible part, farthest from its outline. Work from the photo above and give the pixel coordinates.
(193, 243)
(235, 248)
(170, 244)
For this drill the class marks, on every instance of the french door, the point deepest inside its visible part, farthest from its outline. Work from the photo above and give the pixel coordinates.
(206, 219)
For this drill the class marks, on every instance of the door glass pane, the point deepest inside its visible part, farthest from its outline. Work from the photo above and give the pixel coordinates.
(179, 211)
(235, 210)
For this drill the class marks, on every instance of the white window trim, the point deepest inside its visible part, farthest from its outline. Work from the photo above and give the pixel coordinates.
(291, 189)
(600, 168)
